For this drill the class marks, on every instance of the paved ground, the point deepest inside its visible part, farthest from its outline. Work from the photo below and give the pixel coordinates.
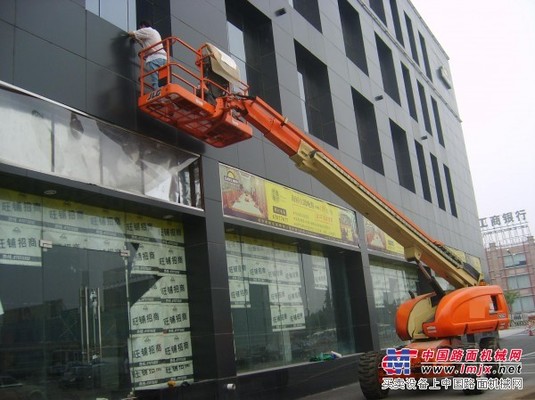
(511, 338)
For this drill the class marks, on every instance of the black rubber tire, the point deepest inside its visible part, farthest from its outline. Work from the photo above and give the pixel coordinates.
(492, 343)
(474, 391)
(368, 375)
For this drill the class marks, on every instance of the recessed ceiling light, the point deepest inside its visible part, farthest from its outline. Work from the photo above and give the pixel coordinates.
(50, 192)
(168, 216)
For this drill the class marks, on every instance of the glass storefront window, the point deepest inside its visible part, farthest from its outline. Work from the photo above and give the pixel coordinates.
(93, 301)
(282, 303)
(391, 285)
(45, 137)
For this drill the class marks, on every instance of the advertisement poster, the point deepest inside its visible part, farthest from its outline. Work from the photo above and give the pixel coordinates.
(167, 289)
(157, 245)
(255, 199)
(285, 253)
(319, 270)
(145, 229)
(158, 259)
(252, 261)
(239, 293)
(160, 339)
(156, 359)
(19, 243)
(285, 294)
(287, 318)
(376, 239)
(78, 225)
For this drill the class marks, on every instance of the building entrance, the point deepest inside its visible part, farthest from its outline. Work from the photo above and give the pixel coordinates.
(85, 322)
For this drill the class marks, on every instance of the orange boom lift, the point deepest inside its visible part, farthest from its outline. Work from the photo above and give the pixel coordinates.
(201, 94)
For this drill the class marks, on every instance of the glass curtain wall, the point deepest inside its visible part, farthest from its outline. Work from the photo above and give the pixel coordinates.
(287, 304)
(121, 13)
(93, 301)
(46, 137)
(391, 285)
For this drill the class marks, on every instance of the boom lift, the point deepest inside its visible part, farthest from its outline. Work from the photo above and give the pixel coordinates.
(201, 94)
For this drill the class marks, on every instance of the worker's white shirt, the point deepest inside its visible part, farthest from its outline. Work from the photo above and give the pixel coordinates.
(147, 37)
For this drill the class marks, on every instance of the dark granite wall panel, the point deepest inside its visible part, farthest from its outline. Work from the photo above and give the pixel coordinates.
(49, 70)
(7, 40)
(61, 22)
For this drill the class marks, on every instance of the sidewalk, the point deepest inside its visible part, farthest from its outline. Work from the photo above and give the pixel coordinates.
(513, 331)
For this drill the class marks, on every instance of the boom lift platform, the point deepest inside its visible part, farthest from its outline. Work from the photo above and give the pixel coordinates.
(186, 99)
(201, 94)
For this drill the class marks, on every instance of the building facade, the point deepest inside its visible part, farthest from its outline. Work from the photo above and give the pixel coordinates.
(132, 255)
(510, 253)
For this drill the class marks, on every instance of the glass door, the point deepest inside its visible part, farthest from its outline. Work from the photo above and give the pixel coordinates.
(85, 322)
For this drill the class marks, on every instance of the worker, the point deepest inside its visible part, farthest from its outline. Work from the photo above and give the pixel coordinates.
(147, 36)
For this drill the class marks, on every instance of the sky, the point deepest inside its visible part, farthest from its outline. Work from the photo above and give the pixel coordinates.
(491, 49)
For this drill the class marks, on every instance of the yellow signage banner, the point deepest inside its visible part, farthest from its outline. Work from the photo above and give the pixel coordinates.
(376, 239)
(255, 199)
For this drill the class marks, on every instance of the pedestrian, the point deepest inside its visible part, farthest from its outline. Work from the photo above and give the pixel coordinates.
(147, 36)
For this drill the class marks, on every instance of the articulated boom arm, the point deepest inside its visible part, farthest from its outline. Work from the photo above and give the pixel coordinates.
(212, 105)
(311, 158)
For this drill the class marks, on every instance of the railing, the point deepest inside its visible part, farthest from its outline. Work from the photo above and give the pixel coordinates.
(184, 66)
